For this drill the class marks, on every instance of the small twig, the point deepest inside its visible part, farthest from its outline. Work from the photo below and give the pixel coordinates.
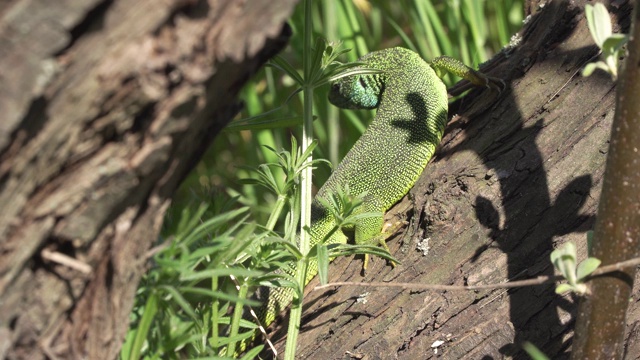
(67, 261)
(615, 267)
(499, 294)
(540, 280)
(572, 77)
(158, 248)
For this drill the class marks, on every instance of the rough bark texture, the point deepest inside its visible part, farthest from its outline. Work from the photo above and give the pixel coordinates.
(507, 186)
(106, 105)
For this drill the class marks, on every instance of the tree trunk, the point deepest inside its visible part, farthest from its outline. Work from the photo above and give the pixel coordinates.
(507, 186)
(106, 105)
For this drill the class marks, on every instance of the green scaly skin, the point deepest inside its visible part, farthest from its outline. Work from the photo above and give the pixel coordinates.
(389, 157)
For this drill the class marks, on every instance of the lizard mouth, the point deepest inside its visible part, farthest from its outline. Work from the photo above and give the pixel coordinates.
(337, 98)
(345, 98)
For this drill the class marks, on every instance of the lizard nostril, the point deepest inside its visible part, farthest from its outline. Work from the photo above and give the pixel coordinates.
(335, 87)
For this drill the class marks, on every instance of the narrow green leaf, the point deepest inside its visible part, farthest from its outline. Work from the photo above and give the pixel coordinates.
(348, 249)
(564, 259)
(555, 255)
(316, 61)
(587, 267)
(567, 267)
(599, 22)
(189, 221)
(405, 38)
(563, 288)
(589, 69)
(245, 324)
(612, 65)
(323, 263)
(613, 43)
(281, 282)
(218, 272)
(283, 65)
(354, 219)
(533, 351)
(263, 121)
(305, 155)
(180, 300)
(254, 352)
(206, 251)
(291, 247)
(337, 53)
(600, 65)
(208, 226)
(224, 340)
(571, 250)
(268, 120)
(149, 312)
(589, 14)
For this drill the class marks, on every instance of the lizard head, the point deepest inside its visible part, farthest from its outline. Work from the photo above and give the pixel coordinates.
(362, 91)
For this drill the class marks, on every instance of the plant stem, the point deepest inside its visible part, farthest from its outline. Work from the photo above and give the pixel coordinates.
(235, 320)
(305, 188)
(275, 214)
(215, 316)
(149, 312)
(333, 128)
(540, 280)
(307, 132)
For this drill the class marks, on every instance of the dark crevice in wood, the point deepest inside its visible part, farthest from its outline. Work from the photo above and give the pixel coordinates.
(92, 22)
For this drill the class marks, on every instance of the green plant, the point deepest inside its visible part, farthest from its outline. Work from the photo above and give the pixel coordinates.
(534, 352)
(180, 298)
(610, 44)
(565, 260)
(186, 306)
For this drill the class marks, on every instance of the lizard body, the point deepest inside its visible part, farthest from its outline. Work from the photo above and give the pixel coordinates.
(391, 154)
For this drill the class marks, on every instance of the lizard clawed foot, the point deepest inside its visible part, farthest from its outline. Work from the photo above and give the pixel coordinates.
(495, 84)
(389, 230)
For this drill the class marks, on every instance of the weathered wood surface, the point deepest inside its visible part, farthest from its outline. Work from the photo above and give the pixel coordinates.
(106, 105)
(506, 188)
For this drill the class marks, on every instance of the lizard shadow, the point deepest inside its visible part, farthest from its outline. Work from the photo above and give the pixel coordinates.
(531, 220)
(412, 126)
(531, 216)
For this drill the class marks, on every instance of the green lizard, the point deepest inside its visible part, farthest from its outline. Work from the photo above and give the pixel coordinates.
(389, 157)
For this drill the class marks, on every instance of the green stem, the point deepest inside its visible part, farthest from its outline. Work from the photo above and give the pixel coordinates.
(305, 188)
(296, 313)
(215, 317)
(361, 45)
(150, 310)
(333, 127)
(235, 320)
(273, 218)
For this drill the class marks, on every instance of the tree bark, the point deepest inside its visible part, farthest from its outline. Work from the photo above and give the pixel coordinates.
(507, 186)
(106, 105)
